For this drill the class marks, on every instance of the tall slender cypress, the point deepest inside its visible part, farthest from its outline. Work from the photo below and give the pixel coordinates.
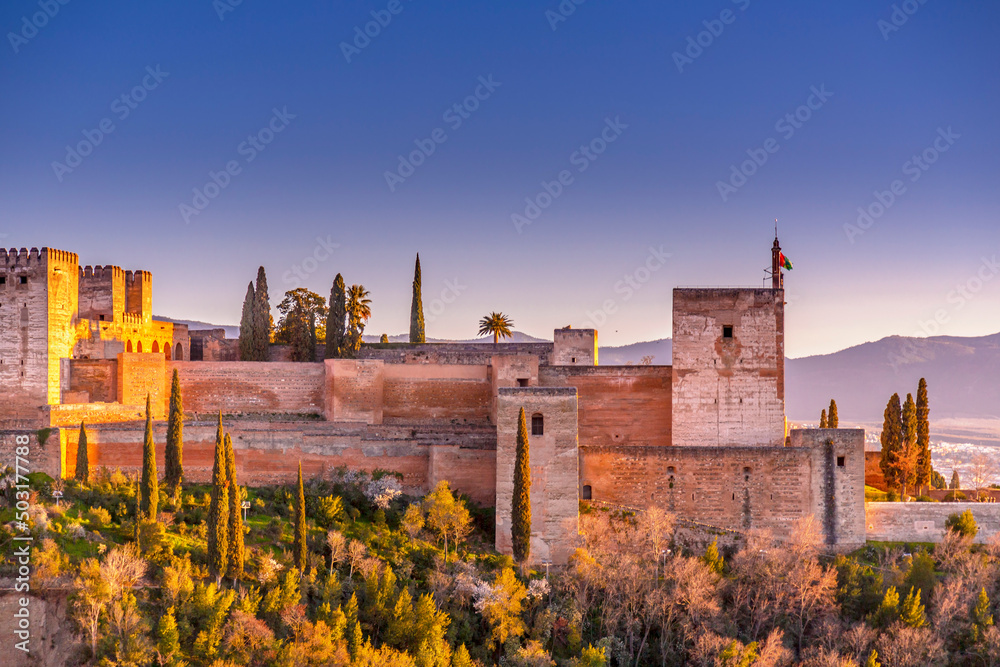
(924, 467)
(82, 461)
(149, 492)
(892, 426)
(823, 421)
(218, 510)
(263, 322)
(908, 442)
(247, 324)
(236, 555)
(299, 544)
(833, 419)
(174, 453)
(520, 510)
(336, 320)
(416, 308)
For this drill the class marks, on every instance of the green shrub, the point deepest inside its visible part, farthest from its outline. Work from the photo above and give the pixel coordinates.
(955, 496)
(98, 518)
(964, 524)
(925, 499)
(892, 496)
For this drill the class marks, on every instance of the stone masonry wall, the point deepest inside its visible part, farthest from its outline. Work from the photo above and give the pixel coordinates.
(619, 405)
(142, 374)
(97, 377)
(728, 487)
(249, 387)
(728, 391)
(41, 457)
(431, 392)
(924, 522)
(838, 482)
(554, 462)
(24, 371)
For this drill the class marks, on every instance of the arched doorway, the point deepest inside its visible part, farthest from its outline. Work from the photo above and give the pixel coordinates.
(128, 346)
(139, 347)
(156, 347)
(179, 353)
(166, 351)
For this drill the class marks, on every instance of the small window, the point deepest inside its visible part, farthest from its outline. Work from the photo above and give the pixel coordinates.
(3, 280)
(522, 382)
(572, 360)
(727, 331)
(102, 318)
(537, 425)
(586, 493)
(840, 461)
(24, 280)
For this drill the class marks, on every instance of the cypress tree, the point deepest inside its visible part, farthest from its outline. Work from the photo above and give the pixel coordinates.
(82, 460)
(924, 468)
(218, 510)
(263, 322)
(908, 443)
(892, 426)
(236, 555)
(416, 308)
(956, 483)
(823, 421)
(336, 320)
(299, 544)
(833, 420)
(247, 323)
(174, 453)
(384, 338)
(149, 491)
(520, 511)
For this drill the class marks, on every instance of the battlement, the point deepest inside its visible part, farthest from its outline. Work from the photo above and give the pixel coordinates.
(131, 318)
(102, 273)
(21, 258)
(144, 277)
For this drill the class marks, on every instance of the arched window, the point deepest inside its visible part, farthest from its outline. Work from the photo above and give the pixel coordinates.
(166, 351)
(179, 353)
(156, 347)
(139, 347)
(537, 424)
(128, 346)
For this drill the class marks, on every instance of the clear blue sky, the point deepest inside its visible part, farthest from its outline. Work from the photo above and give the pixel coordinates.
(553, 90)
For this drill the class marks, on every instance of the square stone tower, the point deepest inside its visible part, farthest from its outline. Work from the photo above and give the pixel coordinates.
(38, 312)
(728, 367)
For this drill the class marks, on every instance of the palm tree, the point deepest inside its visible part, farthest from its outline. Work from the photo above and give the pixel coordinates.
(358, 312)
(497, 324)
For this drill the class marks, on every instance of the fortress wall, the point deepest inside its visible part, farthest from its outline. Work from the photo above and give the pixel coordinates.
(619, 405)
(475, 354)
(574, 347)
(416, 393)
(97, 377)
(838, 481)
(141, 375)
(248, 386)
(70, 415)
(24, 362)
(269, 452)
(63, 301)
(735, 488)
(924, 522)
(39, 457)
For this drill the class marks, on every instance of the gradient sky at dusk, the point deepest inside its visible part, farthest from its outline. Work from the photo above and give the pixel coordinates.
(655, 186)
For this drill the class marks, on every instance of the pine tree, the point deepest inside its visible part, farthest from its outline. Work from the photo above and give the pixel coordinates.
(336, 320)
(149, 490)
(236, 555)
(82, 460)
(956, 483)
(908, 454)
(892, 427)
(712, 558)
(912, 611)
(354, 636)
(218, 510)
(417, 308)
(924, 468)
(981, 616)
(872, 660)
(461, 657)
(299, 545)
(823, 421)
(520, 511)
(888, 609)
(263, 322)
(174, 453)
(247, 337)
(833, 419)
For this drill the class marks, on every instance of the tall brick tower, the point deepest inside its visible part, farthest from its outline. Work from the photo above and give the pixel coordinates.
(729, 365)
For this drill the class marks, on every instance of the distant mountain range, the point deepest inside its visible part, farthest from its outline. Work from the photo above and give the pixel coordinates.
(963, 374)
